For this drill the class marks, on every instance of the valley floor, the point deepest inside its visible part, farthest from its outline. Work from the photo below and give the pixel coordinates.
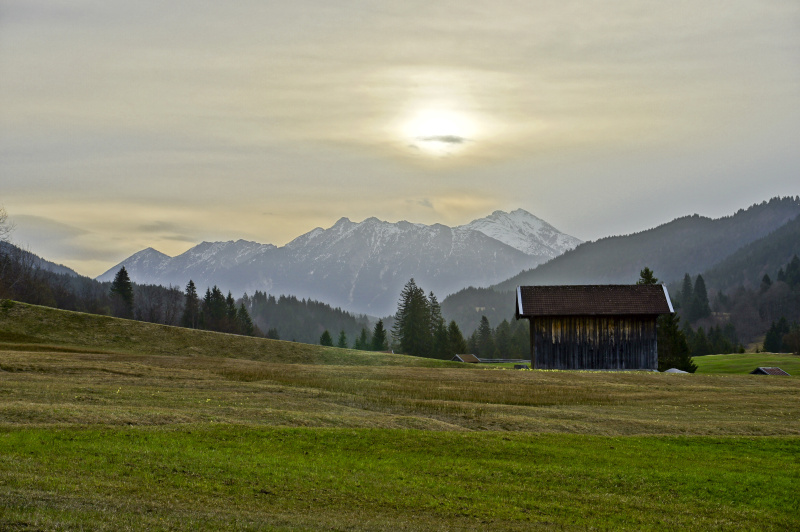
(123, 435)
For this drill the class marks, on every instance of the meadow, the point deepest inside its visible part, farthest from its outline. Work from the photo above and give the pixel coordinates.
(108, 424)
(743, 363)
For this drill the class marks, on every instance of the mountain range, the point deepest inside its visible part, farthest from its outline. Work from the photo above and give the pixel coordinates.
(361, 267)
(729, 251)
(690, 244)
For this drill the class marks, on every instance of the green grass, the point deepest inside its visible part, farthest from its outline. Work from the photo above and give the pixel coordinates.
(747, 362)
(114, 425)
(242, 478)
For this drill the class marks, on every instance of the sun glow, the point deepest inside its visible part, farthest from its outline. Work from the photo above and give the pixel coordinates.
(439, 132)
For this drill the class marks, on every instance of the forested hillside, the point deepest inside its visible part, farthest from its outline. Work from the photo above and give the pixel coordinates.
(28, 278)
(761, 237)
(301, 320)
(690, 244)
(747, 266)
(468, 306)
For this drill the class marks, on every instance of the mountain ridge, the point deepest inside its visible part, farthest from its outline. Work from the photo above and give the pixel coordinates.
(361, 266)
(689, 244)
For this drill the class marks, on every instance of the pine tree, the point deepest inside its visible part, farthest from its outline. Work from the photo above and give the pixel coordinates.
(793, 272)
(472, 343)
(122, 294)
(243, 321)
(700, 298)
(791, 340)
(502, 339)
(362, 342)
(673, 349)
(435, 313)
(214, 310)
(412, 322)
(486, 348)
(646, 277)
(773, 341)
(700, 345)
(230, 315)
(379, 340)
(326, 339)
(342, 340)
(191, 307)
(440, 347)
(455, 340)
(687, 294)
(520, 339)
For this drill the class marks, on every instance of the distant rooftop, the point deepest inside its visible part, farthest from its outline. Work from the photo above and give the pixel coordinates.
(472, 359)
(769, 371)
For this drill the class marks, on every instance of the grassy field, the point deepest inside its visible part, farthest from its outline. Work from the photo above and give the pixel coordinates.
(747, 362)
(24, 326)
(115, 425)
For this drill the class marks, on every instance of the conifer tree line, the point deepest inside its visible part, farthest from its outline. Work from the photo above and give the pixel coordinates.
(714, 323)
(509, 340)
(783, 336)
(377, 340)
(21, 279)
(420, 330)
(300, 320)
(216, 312)
(692, 304)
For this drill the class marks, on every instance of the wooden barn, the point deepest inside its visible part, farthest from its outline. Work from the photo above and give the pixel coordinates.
(593, 326)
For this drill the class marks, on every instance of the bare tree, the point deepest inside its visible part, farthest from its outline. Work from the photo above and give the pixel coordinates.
(173, 306)
(6, 227)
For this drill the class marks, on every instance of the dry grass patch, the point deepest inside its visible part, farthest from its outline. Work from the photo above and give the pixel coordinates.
(23, 327)
(52, 387)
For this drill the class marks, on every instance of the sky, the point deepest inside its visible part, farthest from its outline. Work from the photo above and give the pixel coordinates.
(126, 125)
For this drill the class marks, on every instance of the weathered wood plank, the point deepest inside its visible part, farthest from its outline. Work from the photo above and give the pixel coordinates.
(591, 342)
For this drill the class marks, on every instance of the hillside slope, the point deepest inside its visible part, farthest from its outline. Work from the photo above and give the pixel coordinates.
(764, 234)
(24, 326)
(690, 244)
(35, 260)
(748, 265)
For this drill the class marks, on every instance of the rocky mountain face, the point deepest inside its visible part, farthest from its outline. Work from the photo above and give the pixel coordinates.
(361, 267)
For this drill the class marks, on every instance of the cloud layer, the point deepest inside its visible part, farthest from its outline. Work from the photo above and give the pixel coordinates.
(143, 121)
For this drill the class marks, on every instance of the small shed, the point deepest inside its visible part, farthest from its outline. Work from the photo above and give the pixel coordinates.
(769, 371)
(472, 359)
(593, 326)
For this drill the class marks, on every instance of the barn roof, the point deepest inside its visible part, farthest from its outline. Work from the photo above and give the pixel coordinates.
(592, 300)
(466, 358)
(769, 371)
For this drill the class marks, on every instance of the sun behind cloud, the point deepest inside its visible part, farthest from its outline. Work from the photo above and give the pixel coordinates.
(438, 132)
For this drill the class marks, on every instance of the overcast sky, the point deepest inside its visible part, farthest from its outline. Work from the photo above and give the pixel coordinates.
(128, 124)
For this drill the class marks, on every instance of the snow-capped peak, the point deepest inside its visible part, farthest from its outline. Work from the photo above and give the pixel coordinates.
(525, 232)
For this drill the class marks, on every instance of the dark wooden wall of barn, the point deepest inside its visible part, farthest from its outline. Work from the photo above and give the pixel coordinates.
(594, 342)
